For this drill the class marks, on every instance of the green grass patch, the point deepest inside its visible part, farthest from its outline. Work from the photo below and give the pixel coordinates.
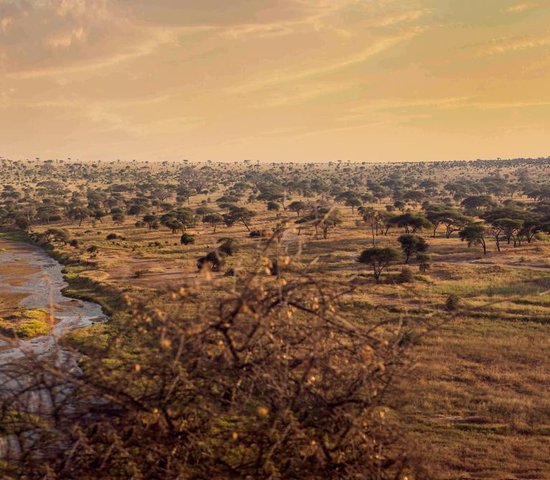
(89, 340)
(482, 428)
(85, 289)
(26, 323)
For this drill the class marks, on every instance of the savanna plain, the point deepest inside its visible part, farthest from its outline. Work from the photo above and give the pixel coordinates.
(285, 320)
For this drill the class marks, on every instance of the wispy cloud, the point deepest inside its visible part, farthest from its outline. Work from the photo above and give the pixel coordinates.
(516, 44)
(407, 109)
(526, 6)
(148, 45)
(303, 93)
(400, 17)
(281, 78)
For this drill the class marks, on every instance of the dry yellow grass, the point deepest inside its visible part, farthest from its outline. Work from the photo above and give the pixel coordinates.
(476, 404)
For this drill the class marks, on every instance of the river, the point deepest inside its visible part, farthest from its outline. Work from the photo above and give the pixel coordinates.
(32, 279)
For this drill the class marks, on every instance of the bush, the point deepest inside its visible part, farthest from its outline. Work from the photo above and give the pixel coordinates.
(187, 239)
(453, 302)
(273, 206)
(229, 246)
(423, 260)
(257, 234)
(406, 275)
(215, 260)
(114, 236)
(253, 383)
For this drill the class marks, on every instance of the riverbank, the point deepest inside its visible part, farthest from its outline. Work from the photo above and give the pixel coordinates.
(78, 287)
(33, 281)
(18, 320)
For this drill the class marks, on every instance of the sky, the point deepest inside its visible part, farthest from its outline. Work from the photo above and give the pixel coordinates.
(274, 80)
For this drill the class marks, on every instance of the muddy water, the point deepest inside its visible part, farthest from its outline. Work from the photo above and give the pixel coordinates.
(30, 278)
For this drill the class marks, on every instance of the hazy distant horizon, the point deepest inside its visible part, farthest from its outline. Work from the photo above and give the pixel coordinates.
(267, 162)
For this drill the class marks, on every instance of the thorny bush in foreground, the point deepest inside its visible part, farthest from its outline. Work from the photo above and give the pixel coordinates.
(269, 380)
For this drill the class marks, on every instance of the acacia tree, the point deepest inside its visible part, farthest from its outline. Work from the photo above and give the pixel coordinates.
(118, 217)
(411, 222)
(273, 193)
(507, 227)
(239, 214)
(475, 235)
(451, 218)
(353, 202)
(411, 245)
(454, 221)
(328, 221)
(98, 214)
(151, 220)
(22, 222)
(213, 219)
(379, 259)
(478, 203)
(414, 196)
(297, 206)
(53, 235)
(532, 226)
(79, 213)
(178, 220)
(273, 206)
(372, 218)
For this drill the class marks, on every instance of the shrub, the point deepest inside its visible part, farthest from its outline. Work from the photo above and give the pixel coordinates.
(263, 381)
(187, 239)
(229, 246)
(273, 206)
(215, 260)
(411, 245)
(405, 276)
(453, 302)
(424, 262)
(114, 236)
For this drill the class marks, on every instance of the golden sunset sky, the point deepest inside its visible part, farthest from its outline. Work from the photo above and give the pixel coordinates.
(274, 80)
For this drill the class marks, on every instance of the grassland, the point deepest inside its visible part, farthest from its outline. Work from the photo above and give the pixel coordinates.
(25, 323)
(476, 402)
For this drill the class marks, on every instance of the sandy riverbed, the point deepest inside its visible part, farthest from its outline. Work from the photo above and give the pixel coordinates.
(30, 278)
